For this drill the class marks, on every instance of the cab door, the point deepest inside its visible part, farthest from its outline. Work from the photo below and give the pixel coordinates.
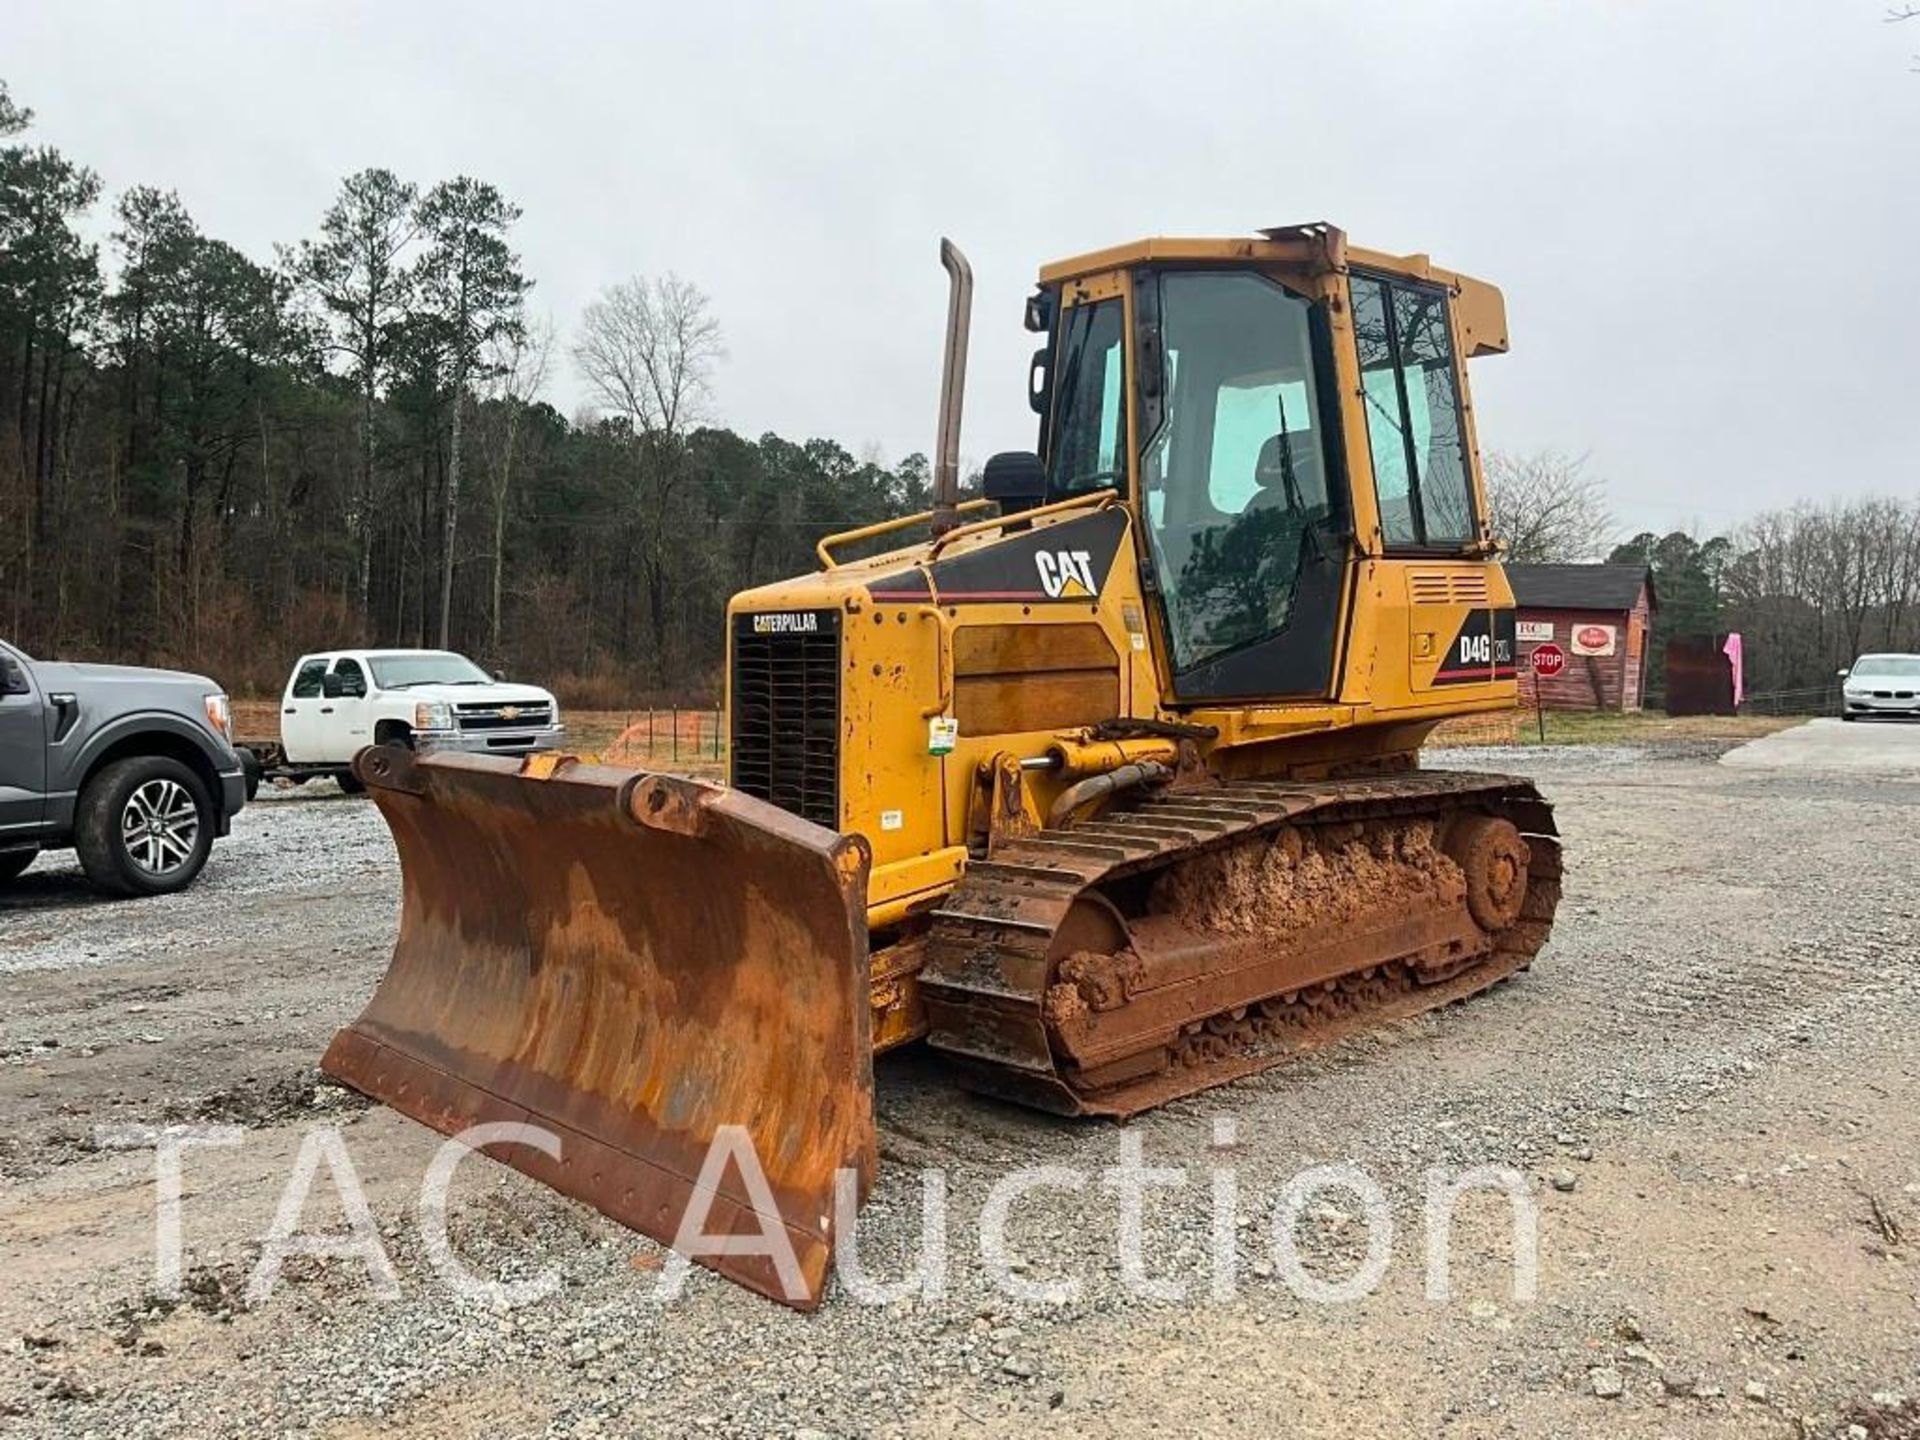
(23, 750)
(1243, 483)
(302, 723)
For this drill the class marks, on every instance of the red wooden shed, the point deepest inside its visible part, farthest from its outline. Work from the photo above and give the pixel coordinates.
(1599, 616)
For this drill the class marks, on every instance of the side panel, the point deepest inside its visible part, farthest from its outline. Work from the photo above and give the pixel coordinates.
(1443, 636)
(1010, 639)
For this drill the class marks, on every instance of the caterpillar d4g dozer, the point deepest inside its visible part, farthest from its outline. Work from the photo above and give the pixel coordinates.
(1105, 786)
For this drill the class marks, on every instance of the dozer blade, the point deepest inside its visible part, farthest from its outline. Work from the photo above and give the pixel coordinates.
(631, 961)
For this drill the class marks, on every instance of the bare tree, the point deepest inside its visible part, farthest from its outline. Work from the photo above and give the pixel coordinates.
(647, 350)
(1898, 14)
(516, 368)
(1546, 507)
(1814, 586)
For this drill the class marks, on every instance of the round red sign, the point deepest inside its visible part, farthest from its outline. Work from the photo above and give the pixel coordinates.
(1548, 660)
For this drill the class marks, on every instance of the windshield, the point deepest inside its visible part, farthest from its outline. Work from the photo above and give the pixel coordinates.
(430, 667)
(1893, 667)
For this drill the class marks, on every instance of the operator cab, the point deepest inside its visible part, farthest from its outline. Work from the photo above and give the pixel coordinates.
(1220, 387)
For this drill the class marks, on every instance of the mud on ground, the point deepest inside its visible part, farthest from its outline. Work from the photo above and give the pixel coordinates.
(1711, 1081)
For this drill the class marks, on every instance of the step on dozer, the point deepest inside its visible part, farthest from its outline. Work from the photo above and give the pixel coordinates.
(631, 962)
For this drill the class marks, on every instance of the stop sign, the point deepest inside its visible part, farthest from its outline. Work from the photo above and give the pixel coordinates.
(1548, 660)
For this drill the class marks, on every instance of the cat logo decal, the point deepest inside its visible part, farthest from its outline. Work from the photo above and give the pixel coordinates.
(1066, 574)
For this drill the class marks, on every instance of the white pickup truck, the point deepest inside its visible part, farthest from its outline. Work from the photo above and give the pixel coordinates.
(338, 702)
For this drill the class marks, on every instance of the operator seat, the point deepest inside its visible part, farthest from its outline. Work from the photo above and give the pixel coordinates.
(1270, 474)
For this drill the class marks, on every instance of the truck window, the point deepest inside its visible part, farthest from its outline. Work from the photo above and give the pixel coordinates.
(306, 680)
(353, 680)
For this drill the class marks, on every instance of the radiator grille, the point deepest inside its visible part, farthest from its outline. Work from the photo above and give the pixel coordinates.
(492, 715)
(785, 745)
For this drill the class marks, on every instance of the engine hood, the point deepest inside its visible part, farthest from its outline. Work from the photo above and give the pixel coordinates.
(1063, 559)
(79, 676)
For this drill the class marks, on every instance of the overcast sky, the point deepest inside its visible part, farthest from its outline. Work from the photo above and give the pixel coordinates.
(1705, 216)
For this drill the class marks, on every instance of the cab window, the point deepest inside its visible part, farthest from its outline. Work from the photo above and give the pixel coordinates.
(1088, 449)
(306, 680)
(1415, 433)
(353, 680)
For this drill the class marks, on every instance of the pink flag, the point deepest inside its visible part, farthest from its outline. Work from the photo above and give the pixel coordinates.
(1732, 651)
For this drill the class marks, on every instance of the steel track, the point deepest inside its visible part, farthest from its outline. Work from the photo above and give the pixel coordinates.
(995, 946)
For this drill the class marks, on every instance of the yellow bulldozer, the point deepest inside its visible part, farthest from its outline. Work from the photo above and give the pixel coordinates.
(1104, 785)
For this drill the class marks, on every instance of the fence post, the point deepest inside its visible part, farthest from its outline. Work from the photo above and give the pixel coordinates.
(674, 715)
(716, 734)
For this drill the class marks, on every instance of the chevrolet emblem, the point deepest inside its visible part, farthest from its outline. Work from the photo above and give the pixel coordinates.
(509, 712)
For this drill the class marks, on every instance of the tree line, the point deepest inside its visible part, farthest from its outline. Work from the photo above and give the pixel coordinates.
(216, 460)
(1808, 588)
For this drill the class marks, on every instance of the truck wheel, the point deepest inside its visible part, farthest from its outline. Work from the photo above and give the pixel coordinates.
(350, 783)
(144, 826)
(12, 862)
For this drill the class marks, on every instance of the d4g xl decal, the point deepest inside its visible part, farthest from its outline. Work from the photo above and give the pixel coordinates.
(1482, 650)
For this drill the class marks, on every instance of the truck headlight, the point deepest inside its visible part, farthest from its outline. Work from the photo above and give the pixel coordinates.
(433, 715)
(220, 715)
(553, 710)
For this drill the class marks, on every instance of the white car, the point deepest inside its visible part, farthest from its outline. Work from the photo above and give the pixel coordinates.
(1880, 685)
(337, 703)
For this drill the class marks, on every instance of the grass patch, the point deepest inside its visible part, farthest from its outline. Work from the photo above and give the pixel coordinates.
(1605, 727)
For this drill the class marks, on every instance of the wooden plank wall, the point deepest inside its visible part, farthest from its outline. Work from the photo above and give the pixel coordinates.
(1595, 682)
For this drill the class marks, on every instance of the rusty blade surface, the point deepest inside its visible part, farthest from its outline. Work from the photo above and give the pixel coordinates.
(633, 962)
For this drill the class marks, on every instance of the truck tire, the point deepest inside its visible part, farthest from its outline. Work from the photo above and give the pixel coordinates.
(144, 826)
(12, 862)
(350, 783)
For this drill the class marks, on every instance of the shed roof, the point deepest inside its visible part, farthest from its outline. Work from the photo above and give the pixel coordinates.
(1579, 587)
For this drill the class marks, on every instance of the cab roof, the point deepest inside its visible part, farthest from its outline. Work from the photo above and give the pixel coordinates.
(1315, 246)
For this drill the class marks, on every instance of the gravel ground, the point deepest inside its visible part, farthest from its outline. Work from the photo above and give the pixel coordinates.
(1710, 1083)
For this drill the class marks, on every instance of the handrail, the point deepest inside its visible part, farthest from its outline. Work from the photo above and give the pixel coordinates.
(1094, 499)
(824, 549)
(942, 660)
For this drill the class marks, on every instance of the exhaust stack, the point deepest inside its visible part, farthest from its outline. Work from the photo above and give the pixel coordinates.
(953, 386)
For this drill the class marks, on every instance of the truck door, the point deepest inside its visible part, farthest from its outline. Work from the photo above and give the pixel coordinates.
(348, 728)
(23, 749)
(301, 723)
